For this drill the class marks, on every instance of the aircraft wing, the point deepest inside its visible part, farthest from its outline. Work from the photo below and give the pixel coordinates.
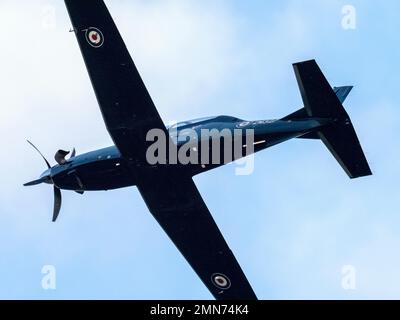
(127, 108)
(129, 113)
(177, 205)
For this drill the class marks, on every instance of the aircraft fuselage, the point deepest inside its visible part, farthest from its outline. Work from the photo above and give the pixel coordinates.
(105, 169)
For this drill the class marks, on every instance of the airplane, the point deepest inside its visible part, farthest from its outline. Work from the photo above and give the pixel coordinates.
(168, 189)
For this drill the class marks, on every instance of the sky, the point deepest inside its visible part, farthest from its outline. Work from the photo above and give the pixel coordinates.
(297, 225)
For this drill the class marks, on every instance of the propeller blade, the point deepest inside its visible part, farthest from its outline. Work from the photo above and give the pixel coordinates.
(36, 182)
(73, 154)
(57, 203)
(45, 160)
(60, 156)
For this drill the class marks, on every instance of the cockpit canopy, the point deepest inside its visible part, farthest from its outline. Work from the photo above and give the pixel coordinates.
(194, 122)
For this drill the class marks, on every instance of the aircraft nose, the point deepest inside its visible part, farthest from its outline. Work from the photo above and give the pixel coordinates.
(46, 176)
(45, 173)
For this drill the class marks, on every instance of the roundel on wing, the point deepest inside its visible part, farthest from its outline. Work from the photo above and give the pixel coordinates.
(221, 281)
(94, 37)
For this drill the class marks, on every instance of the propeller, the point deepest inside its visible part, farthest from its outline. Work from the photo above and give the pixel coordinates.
(47, 177)
(36, 182)
(61, 154)
(57, 203)
(45, 160)
(60, 157)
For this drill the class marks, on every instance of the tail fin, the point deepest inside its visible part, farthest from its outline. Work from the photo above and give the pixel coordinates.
(321, 101)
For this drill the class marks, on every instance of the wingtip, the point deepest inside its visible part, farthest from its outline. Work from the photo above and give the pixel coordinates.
(367, 173)
(304, 62)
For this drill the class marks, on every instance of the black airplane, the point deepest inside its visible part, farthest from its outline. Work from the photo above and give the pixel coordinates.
(168, 189)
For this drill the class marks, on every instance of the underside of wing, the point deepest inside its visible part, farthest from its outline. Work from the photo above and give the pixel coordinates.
(127, 108)
(129, 114)
(177, 205)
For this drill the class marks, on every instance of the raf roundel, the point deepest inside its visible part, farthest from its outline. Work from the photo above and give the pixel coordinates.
(221, 281)
(94, 37)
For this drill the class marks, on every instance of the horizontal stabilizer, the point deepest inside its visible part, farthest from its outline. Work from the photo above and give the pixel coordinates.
(342, 92)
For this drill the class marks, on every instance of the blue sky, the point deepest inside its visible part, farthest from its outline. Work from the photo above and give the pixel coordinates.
(293, 224)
